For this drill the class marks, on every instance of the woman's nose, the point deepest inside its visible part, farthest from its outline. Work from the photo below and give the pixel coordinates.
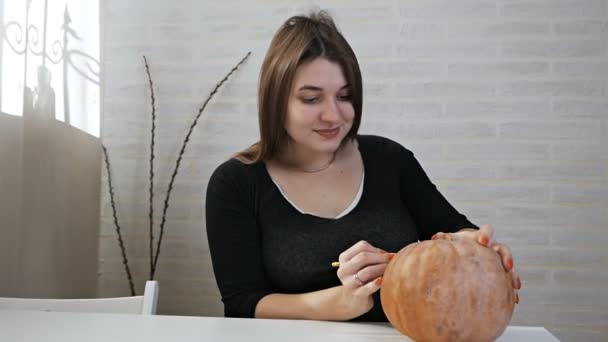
(330, 111)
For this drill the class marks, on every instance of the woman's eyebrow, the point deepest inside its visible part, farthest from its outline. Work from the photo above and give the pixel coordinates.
(315, 88)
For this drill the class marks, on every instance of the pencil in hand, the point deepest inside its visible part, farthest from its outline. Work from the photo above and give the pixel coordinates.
(336, 264)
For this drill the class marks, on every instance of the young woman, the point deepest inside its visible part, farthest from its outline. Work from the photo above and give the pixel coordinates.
(312, 191)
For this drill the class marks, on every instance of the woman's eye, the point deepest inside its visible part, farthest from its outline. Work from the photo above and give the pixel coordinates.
(344, 97)
(310, 100)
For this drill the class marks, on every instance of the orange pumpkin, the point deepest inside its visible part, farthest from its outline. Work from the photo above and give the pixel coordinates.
(440, 290)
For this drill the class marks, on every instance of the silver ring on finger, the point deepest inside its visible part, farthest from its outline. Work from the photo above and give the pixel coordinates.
(361, 283)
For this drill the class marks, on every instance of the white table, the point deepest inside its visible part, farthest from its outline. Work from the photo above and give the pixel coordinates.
(26, 326)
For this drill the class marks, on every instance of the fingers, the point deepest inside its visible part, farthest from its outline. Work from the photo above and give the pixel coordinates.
(366, 265)
(365, 275)
(362, 263)
(516, 283)
(360, 271)
(443, 236)
(484, 234)
(357, 258)
(505, 254)
(361, 246)
(515, 279)
(369, 288)
(358, 281)
(507, 260)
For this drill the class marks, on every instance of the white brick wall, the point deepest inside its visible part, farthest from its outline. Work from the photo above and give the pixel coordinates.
(505, 103)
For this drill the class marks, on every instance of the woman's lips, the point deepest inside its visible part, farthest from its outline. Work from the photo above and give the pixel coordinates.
(328, 133)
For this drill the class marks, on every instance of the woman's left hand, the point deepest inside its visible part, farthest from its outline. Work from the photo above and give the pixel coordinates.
(484, 237)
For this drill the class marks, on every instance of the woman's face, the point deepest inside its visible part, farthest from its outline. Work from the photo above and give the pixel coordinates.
(319, 111)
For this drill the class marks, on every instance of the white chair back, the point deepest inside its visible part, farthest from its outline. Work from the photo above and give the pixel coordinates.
(144, 305)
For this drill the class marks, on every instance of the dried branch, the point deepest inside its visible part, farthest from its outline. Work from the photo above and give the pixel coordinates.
(121, 243)
(151, 210)
(181, 153)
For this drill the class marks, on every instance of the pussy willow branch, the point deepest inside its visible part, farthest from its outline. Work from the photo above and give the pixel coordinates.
(181, 153)
(121, 243)
(151, 210)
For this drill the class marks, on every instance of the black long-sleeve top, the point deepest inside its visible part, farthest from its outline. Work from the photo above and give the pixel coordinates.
(260, 244)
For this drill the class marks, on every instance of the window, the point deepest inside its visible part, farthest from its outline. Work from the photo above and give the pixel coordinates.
(49, 60)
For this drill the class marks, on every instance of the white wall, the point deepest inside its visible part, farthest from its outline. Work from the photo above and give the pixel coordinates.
(503, 102)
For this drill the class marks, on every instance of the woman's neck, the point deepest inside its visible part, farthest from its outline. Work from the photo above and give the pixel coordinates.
(307, 160)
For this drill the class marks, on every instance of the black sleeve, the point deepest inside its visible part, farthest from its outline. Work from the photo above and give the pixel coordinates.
(234, 239)
(431, 212)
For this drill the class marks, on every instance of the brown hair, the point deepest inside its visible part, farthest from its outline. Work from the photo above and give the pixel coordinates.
(299, 40)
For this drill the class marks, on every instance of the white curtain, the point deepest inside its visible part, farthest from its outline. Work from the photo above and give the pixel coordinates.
(50, 154)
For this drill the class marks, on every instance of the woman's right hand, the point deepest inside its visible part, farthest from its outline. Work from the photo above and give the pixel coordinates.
(361, 269)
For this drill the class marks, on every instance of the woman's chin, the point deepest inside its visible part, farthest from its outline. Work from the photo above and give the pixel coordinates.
(329, 147)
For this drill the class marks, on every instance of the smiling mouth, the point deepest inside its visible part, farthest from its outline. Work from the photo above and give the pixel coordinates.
(328, 133)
